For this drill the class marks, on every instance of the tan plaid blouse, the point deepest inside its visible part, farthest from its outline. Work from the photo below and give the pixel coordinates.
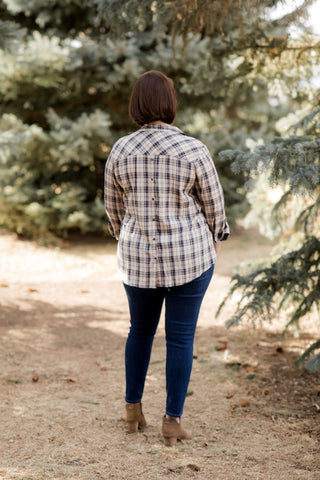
(165, 205)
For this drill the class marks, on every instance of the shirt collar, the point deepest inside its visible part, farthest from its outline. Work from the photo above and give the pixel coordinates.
(161, 126)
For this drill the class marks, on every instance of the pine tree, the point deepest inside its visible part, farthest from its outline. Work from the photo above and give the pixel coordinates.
(66, 71)
(290, 282)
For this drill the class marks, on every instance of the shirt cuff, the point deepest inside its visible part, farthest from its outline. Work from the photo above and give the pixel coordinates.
(223, 235)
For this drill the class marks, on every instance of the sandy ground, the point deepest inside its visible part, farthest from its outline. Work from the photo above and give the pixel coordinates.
(63, 325)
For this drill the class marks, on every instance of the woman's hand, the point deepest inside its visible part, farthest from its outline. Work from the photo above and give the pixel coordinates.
(217, 247)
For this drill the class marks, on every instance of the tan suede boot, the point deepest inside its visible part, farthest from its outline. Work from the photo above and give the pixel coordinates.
(173, 431)
(134, 417)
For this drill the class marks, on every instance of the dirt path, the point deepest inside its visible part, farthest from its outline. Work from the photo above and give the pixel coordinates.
(63, 323)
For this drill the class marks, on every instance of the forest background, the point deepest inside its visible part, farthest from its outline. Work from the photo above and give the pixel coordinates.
(248, 87)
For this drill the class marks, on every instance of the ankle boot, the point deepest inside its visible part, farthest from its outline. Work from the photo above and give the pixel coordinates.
(173, 431)
(134, 417)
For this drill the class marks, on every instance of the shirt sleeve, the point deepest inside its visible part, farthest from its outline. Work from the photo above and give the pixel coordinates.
(210, 196)
(113, 199)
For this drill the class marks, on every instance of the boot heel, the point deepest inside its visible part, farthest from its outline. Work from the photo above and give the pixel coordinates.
(133, 427)
(170, 441)
(134, 417)
(173, 431)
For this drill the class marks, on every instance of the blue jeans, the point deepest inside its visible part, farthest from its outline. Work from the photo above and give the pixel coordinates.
(182, 306)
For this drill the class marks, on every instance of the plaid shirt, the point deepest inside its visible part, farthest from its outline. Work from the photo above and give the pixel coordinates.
(165, 205)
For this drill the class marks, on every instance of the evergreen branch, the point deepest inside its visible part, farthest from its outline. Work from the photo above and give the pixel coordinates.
(277, 212)
(278, 46)
(304, 307)
(290, 276)
(309, 217)
(308, 353)
(257, 284)
(308, 119)
(296, 158)
(251, 311)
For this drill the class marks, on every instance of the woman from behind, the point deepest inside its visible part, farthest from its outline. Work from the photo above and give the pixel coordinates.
(166, 209)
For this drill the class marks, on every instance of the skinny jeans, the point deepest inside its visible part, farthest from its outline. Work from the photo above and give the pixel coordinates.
(182, 307)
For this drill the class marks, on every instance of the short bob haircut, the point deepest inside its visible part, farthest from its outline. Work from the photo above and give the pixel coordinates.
(153, 98)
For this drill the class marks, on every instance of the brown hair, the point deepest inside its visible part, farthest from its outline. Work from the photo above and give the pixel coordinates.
(153, 98)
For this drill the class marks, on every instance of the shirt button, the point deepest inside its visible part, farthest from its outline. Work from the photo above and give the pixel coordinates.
(153, 219)
(151, 179)
(154, 238)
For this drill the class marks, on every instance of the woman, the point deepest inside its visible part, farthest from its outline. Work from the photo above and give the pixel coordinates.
(165, 206)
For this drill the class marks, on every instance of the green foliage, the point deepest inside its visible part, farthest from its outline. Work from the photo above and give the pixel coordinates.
(62, 61)
(52, 181)
(290, 282)
(294, 278)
